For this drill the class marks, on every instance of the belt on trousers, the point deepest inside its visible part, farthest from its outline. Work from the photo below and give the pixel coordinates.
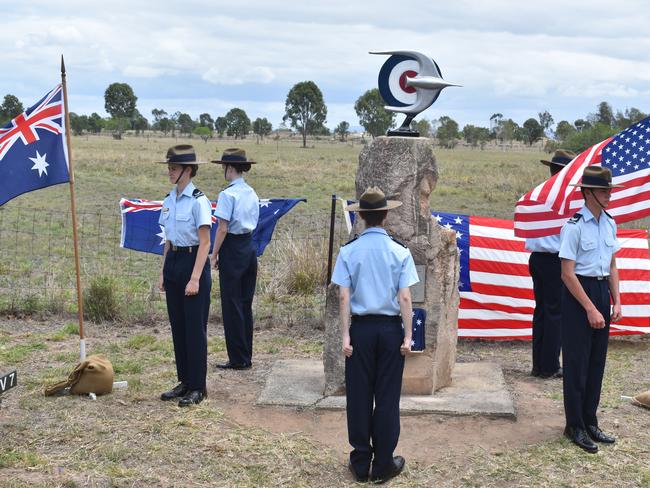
(376, 318)
(188, 249)
(247, 234)
(546, 253)
(593, 278)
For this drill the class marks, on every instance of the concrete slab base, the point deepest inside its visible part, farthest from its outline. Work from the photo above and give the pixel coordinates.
(476, 389)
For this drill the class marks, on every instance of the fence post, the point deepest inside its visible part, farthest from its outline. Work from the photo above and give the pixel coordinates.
(331, 243)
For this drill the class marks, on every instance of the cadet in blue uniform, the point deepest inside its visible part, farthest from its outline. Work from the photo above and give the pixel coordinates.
(587, 248)
(374, 273)
(544, 267)
(185, 277)
(235, 255)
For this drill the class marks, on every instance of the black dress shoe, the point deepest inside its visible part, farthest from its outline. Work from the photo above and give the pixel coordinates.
(229, 365)
(193, 397)
(357, 478)
(599, 436)
(398, 466)
(580, 438)
(534, 372)
(178, 391)
(555, 374)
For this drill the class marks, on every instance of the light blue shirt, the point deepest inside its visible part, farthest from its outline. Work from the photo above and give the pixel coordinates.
(239, 205)
(374, 267)
(181, 217)
(544, 244)
(590, 243)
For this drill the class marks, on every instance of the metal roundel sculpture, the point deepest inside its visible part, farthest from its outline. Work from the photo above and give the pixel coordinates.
(409, 82)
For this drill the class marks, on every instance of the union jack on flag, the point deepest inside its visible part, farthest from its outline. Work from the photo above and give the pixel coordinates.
(33, 153)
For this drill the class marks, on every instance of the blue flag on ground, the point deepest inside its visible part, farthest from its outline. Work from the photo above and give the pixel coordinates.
(142, 232)
(33, 153)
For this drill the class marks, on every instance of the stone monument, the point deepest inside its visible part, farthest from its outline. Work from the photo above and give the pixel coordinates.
(405, 169)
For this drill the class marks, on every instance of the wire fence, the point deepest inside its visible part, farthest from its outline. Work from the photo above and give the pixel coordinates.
(37, 271)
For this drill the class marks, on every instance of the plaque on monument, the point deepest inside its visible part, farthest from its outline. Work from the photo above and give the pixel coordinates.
(417, 290)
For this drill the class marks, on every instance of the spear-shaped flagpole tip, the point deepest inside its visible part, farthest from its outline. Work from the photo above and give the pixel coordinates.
(62, 66)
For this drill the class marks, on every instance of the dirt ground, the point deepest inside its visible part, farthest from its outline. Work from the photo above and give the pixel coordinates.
(447, 450)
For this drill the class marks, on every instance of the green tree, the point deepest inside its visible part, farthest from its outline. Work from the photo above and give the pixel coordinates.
(545, 120)
(342, 130)
(204, 132)
(587, 137)
(373, 117)
(78, 123)
(119, 102)
(185, 124)
(629, 117)
(221, 126)
(10, 107)
(305, 108)
(205, 120)
(95, 123)
(139, 122)
(165, 125)
(605, 114)
(158, 115)
(532, 131)
(262, 127)
(423, 127)
(237, 123)
(475, 136)
(447, 133)
(582, 124)
(509, 130)
(496, 126)
(563, 130)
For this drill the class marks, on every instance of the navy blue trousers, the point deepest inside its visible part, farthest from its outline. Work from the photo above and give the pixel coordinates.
(546, 271)
(188, 316)
(237, 278)
(584, 353)
(373, 382)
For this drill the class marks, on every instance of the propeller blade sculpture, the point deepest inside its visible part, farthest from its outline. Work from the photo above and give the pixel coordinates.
(409, 82)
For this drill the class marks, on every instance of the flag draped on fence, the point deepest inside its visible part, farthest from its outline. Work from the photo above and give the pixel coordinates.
(33, 152)
(141, 231)
(544, 209)
(496, 290)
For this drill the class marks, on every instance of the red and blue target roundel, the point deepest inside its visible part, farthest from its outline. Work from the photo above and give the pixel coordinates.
(393, 77)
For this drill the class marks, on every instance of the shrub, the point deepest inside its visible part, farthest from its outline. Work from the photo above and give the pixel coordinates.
(100, 301)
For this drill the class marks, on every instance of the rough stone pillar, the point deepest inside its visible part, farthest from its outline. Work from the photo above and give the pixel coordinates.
(405, 169)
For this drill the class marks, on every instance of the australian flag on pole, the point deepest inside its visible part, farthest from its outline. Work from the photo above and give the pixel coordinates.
(33, 153)
(141, 231)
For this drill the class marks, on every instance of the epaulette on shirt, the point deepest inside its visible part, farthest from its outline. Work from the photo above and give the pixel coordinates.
(197, 193)
(400, 243)
(575, 218)
(356, 236)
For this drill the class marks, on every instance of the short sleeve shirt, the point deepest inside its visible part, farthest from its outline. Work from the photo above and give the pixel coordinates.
(590, 243)
(374, 267)
(239, 205)
(181, 217)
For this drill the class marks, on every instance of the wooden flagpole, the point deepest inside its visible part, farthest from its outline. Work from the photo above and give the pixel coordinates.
(73, 210)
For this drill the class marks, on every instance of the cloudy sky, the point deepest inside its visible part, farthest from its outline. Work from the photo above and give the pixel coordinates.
(513, 57)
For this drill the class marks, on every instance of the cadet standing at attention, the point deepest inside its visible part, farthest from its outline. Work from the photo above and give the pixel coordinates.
(545, 269)
(235, 255)
(587, 248)
(185, 277)
(374, 273)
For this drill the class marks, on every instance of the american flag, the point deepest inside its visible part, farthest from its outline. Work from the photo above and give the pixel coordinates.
(33, 153)
(141, 231)
(544, 209)
(496, 290)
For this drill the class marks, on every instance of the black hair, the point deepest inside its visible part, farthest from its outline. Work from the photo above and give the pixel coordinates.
(195, 169)
(374, 218)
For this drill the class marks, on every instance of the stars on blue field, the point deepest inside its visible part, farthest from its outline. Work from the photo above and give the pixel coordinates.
(459, 224)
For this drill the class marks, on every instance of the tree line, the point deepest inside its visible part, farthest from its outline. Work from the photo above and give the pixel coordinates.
(306, 112)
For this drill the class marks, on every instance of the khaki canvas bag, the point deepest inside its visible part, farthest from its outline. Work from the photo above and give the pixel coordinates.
(94, 375)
